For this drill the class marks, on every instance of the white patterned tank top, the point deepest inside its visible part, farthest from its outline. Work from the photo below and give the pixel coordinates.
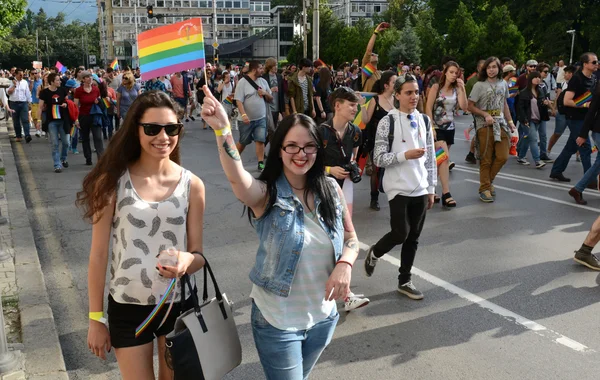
(140, 231)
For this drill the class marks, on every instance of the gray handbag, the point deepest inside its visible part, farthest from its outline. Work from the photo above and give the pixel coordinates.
(204, 343)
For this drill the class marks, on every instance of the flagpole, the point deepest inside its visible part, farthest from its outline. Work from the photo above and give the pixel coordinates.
(135, 57)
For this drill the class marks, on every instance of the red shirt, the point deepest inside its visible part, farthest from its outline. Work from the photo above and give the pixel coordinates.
(86, 100)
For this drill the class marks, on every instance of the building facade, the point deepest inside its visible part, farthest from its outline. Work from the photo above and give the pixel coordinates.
(350, 11)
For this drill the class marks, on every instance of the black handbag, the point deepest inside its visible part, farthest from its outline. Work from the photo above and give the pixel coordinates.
(204, 344)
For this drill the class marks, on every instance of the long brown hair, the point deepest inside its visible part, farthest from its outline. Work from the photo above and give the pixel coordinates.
(449, 64)
(100, 184)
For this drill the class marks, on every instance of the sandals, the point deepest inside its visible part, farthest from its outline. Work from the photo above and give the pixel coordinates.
(448, 201)
(436, 199)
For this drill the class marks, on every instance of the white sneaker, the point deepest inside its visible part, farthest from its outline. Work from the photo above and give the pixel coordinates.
(355, 301)
(38, 133)
(43, 134)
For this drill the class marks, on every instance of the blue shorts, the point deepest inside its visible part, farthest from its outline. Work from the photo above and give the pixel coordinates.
(560, 124)
(255, 131)
(182, 102)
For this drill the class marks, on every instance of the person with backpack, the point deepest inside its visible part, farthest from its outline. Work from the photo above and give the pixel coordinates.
(404, 147)
(382, 103)
(560, 119)
(577, 99)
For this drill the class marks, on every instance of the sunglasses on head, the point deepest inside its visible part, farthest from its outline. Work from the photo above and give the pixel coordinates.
(152, 129)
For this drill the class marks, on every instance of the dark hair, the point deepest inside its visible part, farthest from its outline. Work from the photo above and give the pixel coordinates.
(532, 75)
(253, 65)
(324, 78)
(52, 77)
(483, 73)
(402, 79)
(505, 59)
(353, 67)
(447, 59)
(543, 66)
(54, 68)
(570, 69)
(304, 62)
(442, 83)
(379, 85)
(342, 94)
(18, 71)
(100, 184)
(109, 70)
(316, 182)
(585, 57)
(103, 89)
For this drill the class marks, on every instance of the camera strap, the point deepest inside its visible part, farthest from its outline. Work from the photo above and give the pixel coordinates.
(339, 140)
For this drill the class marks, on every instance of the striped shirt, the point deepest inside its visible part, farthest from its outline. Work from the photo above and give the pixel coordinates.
(306, 305)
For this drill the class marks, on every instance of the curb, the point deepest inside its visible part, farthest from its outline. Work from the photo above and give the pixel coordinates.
(42, 352)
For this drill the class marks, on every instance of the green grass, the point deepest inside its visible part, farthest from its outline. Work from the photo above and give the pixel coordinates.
(2, 171)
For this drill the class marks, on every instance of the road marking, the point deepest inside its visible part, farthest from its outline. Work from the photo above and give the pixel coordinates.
(541, 197)
(492, 307)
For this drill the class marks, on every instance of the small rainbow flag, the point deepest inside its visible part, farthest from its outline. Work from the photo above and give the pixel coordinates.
(171, 48)
(440, 156)
(512, 86)
(114, 64)
(581, 101)
(107, 103)
(60, 67)
(367, 95)
(229, 99)
(56, 112)
(156, 309)
(358, 118)
(368, 70)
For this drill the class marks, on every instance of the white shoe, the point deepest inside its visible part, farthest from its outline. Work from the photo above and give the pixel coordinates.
(355, 301)
(38, 133)
(43, 134)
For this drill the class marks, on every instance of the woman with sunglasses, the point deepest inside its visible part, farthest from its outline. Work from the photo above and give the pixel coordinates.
(307, 242)
(86, 97)
(140, 195)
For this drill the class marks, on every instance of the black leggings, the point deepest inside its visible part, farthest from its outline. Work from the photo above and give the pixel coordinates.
(407, 216)
(87, 126)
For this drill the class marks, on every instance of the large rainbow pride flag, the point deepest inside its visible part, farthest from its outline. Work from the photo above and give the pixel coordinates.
(171, 48)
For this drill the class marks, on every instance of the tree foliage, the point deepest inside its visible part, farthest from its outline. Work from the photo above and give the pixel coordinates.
(66, 42)
(408, 47)
(11, 11)
(501, 37)
(462, 40)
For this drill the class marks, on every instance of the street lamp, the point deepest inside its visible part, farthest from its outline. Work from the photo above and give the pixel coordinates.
(572, 33)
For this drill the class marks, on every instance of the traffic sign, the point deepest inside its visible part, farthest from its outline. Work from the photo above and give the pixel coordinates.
(215, 45)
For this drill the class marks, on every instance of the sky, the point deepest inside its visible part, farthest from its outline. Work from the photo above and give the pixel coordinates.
(84, 12)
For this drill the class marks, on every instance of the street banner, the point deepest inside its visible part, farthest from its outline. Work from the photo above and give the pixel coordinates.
(37, 64)
(171, 48)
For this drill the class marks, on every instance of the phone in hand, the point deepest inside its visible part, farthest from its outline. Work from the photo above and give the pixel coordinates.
(385, 25)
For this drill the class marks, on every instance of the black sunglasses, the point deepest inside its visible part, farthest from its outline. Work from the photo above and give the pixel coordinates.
(545, 71)
(151, 129)
(593, 62)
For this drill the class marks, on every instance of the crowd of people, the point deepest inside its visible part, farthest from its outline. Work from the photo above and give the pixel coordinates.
(301, 202)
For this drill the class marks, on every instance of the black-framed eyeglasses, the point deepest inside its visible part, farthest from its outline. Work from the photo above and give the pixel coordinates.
(152, 129)
(295, 149)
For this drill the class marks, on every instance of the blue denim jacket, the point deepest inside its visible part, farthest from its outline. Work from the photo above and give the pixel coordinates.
(281, 234)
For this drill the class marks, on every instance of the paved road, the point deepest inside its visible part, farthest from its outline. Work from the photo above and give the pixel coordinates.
(503, 297)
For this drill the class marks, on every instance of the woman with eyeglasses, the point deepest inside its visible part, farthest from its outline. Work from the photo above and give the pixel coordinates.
(307, 242)
(126, 94)
(140, 195)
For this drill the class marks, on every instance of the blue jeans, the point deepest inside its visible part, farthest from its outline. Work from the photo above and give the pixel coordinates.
(543, 139)
(290, 355)
(592, 173)
(529, 137)
(255, 131)
(75, 138)
(56, 128)
(585, 151)
(20, 117)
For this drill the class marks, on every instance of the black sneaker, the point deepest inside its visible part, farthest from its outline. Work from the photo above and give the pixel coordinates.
(370, 262)
(470, 159)
(375, 205)
(187, 120)
(57, 170)
(451, 166)
(193, 119)
(65, 164)
(88, 162)
(409, 290)
(27, 139)
(588, 259)
(546, 159)
(560, 177)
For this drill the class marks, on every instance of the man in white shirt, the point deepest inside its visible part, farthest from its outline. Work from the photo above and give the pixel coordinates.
(20, 102)
(560, 74)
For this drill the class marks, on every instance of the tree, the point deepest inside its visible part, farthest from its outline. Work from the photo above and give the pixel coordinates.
(462, 41)
(501, 36)
(384, 44)
(408, 47)
(432, 42)
(11, 11)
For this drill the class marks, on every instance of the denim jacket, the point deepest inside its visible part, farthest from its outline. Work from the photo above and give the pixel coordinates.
(281, 234)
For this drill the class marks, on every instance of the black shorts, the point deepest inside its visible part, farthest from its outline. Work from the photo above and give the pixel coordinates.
(445, 135)
(123, 319)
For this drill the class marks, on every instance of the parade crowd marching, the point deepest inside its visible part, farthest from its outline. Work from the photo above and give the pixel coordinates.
(316, 131)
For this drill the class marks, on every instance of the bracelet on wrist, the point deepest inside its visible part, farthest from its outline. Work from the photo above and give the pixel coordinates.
(97, 316)
(328, 169)
(344, 262)
(375, 32)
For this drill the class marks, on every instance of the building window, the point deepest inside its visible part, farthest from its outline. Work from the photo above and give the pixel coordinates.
(284, 50)
(260, 6)
(116, 3)
(286, 33)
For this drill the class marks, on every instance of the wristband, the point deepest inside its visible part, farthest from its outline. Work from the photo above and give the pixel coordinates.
(224, 131)
(97, 316)
(328, 169)
(375, 32)
(244, 115)
(344, 262)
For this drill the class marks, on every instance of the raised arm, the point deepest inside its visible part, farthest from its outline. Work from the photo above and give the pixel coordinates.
(250, 191)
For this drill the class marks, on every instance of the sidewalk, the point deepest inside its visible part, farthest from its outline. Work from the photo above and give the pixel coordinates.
(22, 282)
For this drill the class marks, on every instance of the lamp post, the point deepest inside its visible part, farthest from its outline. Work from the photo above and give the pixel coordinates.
(572, 33)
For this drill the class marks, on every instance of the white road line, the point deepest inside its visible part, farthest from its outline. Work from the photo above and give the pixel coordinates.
(493, 308)
(541, 197)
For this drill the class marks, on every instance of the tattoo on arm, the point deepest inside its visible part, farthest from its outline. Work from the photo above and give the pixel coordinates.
(347, 219)
(352, 243)
(230, 148)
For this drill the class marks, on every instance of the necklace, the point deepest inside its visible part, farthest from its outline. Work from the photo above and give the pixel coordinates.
(389, 103)
(295, 188)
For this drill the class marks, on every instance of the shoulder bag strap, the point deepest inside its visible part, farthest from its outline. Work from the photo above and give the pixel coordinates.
(391, 133)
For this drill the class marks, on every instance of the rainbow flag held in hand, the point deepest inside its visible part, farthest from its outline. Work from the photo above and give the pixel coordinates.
(583, 100)
(369, 69)
(60, 67)
(512, 86)
(358, 118)
(229, 99)
(114, 64)
(171, 48)
(440, 156)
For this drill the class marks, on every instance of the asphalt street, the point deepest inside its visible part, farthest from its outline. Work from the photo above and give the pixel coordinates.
(503, 297)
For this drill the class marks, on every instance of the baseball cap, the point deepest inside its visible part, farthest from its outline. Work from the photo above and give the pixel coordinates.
(96, 78)
(532, 62)
(85, 74)
(71, 83)
(508, 68)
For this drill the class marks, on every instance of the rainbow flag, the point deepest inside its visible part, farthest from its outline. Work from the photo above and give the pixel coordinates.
(56, 112)
(60, 67)
(512, 86)
(171, 48)
(440, 156)
(229, 99)
(581, 101)
(358, 118)
(367, 95)
(107, 103)
(114, 64)
(368, 70)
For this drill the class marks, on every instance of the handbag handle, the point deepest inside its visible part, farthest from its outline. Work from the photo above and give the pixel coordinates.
(185, 280)
(219, 295)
